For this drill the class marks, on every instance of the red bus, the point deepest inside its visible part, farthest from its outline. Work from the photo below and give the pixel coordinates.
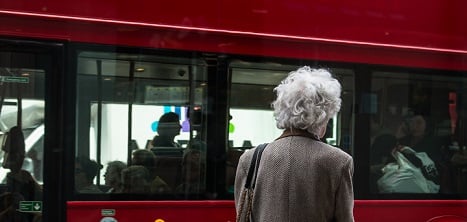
(88, 81)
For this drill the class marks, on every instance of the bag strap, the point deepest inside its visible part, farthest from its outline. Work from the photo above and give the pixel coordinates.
(253, 170)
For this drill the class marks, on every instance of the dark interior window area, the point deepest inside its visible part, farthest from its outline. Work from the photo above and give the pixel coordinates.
(417, 129)
(23, 71)
(141, 124)
(173, 126)
(149, 123)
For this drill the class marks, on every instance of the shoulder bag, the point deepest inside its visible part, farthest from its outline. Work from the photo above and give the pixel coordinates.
(246, 199)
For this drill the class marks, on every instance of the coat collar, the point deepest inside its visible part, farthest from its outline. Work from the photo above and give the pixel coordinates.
(298, 132)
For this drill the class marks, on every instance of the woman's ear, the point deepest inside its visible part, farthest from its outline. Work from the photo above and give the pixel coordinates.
(322, 132)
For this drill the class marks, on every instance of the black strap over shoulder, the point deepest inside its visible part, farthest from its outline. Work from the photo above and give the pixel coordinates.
(253, 170)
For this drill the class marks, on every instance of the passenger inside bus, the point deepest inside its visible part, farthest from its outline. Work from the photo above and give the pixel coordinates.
(19, 180)
(9, 202)
(167, 129)
(85, 172)
(147, 159)
(136, 179)
(113, 176)
(20, 184)
(193, 172)
(396, 168)
(419, 139)
(199, 141)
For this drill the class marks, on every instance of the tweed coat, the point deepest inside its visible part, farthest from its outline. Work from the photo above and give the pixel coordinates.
(299, 179)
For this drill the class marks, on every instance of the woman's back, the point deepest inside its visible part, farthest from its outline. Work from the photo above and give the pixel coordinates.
(300, 179)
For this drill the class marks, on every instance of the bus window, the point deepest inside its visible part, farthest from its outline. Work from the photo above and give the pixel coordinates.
(142, 110)
(21, 132)
(416, 128)
(251, 116)
(33, 132)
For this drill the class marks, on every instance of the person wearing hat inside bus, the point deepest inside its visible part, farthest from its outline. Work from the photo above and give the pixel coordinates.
(167, 129)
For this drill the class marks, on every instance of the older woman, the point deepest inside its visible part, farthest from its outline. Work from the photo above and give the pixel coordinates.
(301, 178)
(113, 176)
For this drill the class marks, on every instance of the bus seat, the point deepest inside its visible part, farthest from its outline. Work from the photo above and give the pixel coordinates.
(169, 168)
(168, 151)
(247, 144)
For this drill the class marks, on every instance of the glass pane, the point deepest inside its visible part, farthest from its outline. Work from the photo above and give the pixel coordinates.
(21, 132)
(252, 121)
(417, 130)
(141, 124)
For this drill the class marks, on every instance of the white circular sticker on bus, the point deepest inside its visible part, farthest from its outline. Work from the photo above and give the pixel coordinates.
(108, 219)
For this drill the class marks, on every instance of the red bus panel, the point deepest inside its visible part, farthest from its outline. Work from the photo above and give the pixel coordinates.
(194, 211)
(433, 36)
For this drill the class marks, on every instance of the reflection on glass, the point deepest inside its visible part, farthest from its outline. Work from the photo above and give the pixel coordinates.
(21, 138)
(415, 134)
(145, 120)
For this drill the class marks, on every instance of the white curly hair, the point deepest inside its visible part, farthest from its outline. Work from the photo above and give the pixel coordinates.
(306, 100)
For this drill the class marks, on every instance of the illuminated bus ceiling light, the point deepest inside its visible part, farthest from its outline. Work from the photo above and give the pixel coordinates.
(139, 69)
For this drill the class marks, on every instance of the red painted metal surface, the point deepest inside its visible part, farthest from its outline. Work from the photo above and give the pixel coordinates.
(448, 218)
(433, 35)
(194, 211)
(407, 210)
(421, 23)
(157, 211)
(416, 33)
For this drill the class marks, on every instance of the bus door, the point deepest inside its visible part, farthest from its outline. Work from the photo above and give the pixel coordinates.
(24, 67)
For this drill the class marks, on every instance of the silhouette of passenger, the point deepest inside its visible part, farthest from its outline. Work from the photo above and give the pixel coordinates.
(136, 179)
(420, 140)
(19, 180)
(167, 129)
(113, 176)
(146, 159)
(9, 203)
(193, 172)
(85, 172)
(20, 184)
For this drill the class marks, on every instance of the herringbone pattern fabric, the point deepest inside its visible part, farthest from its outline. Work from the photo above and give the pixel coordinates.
(300, 179)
